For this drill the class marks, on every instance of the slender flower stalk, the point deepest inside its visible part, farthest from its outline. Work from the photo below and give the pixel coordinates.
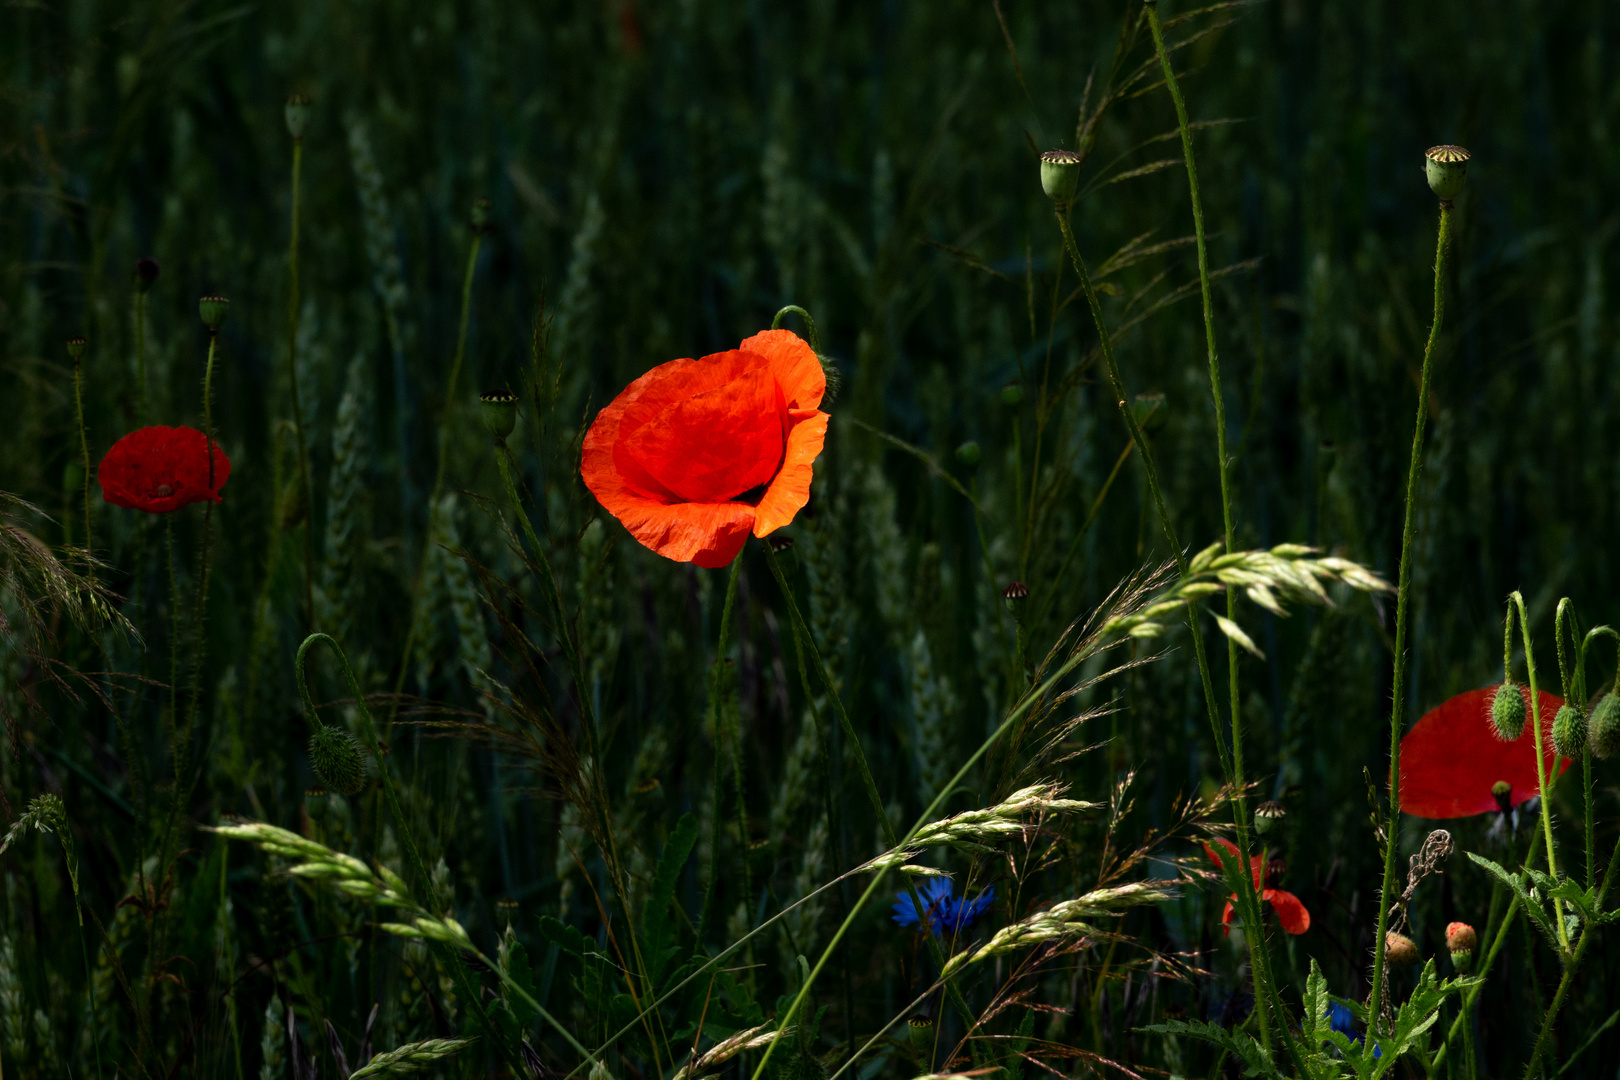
(1517, 602)
(305, 493)
(414, 630)
(76, 349)
(1403, 591)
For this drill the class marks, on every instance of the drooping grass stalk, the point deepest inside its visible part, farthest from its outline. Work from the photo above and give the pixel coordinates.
(200, 609)
(1248, 900)
(305, 491)
(445, 418)
(1247, 894)
(1403, 595)
(422, 883)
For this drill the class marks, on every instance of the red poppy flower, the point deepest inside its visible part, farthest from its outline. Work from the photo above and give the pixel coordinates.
(161, 469)
(1452, 758)
(1291, 913)
(696, 454)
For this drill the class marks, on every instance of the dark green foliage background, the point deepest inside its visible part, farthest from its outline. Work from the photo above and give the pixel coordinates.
(664, 176)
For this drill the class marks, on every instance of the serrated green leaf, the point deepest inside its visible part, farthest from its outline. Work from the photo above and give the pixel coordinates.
(658, 928)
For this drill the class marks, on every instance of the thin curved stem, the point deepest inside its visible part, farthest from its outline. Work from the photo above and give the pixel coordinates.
(84, 449)
(810, 324)
(1403, 595)
(1541, 764)
(292, 378)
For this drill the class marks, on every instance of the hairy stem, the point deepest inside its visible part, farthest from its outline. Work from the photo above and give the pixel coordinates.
(305, 491)
(1403, 596)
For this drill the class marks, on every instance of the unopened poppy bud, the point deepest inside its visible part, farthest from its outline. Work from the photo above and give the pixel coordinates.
(1460, 942)
(337, 761)
(76, 346)
(499, 411)
(1447, 170)
(1268, 814)
(213, 308)
(1502, 792)
(1569, 731)
(1508, 712)
(968, 455)
(1401, 950)
(146, 273)
(1603, 730)
(1012, 395)
(1060, 175)
(296, 112)
(480, 214)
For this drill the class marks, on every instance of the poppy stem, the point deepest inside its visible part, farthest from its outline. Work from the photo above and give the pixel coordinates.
(140, 356)
(292, 377)
(809, 323)
(1517, 601)
(714, 725)
(1403, 594)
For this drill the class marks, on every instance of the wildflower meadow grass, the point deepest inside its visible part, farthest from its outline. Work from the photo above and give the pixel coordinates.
(680, 540)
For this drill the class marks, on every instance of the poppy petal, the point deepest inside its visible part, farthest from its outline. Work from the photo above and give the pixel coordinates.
(1452, 757)
(715, 445)
(795, 365)
(1291, 913)
(790, 491)
(709, 534)
(1226, 918)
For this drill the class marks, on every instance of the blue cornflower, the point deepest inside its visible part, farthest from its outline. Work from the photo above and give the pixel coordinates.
(1344, 1022)
(945, 913)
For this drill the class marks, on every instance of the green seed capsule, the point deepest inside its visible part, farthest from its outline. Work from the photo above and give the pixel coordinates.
(1603, 729)
(1446, 168)
(1060, 175)
(1569, 731)
(213, 308)
(296, 113)
(1508, 712)
(968, 455)
(337, 760)
(499, 411)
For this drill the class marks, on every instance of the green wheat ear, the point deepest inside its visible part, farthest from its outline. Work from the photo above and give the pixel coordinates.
(337, 760)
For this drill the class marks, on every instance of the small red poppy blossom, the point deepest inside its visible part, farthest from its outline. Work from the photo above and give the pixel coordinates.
(696, 454)
(1453, 757)
(160, 469)
(1291, 913)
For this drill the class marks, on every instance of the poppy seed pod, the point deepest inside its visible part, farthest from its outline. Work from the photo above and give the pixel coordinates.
(1266, 815)
(1460, 942)
(1401, 950)
(499, 411)
(920, 1029)
(480, 214)
(1060, 175)
(337, 761)
(777, 543)
(213, 308)
(1569, 731)
(1012, 395)
(76, 346)
(296, 112)
(1447, 170)
(1508, 712)
(1014, 596)
(1603, 729)
(146, 273)
(968, 455)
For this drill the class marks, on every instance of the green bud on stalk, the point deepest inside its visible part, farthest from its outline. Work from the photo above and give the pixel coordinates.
(1012, 395)
(1603, 730)
(1508, 712)
(296, 112)
(337, 761)
(1447, 170)
(968, 455)
(1569, 731)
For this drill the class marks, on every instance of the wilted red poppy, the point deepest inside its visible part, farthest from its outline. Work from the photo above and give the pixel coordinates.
(696, 454)
(1452, 758)
(1291, 913)
(160, 469)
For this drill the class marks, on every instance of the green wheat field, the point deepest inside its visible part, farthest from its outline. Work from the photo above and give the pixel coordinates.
(408, 668)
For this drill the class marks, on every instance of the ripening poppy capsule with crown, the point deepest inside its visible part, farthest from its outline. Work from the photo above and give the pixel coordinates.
(1453, 758)
(697, 454)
